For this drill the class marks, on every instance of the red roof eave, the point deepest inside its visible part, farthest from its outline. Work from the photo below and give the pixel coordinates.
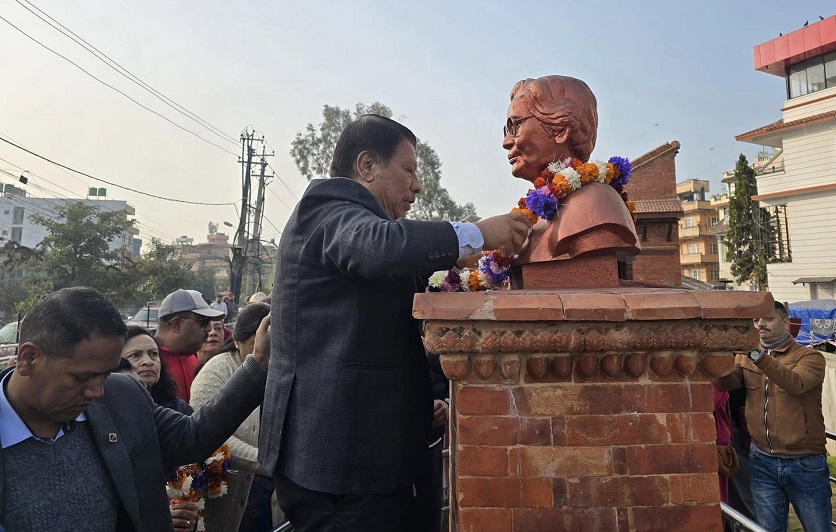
(780, 125)
(810, 41)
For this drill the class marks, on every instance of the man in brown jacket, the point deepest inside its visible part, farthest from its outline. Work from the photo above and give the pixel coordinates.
(783, 381)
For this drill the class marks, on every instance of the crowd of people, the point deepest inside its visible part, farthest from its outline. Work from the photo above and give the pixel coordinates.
(331, 409)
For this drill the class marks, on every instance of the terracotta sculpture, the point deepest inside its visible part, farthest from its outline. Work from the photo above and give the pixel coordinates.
(549, 119)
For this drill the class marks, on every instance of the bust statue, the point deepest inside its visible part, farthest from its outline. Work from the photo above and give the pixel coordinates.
(549, 119)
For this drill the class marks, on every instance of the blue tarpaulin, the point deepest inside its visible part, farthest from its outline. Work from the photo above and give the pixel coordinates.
(818, 320)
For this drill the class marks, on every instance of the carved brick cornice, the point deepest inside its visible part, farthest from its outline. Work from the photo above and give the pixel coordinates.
(665, 366)
(491, 337)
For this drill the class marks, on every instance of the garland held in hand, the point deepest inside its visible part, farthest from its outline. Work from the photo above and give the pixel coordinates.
(555, 182)
(193, 482)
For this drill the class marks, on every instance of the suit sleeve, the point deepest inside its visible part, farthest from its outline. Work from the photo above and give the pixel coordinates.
(210, 379)
(191, 439)
(358, 242)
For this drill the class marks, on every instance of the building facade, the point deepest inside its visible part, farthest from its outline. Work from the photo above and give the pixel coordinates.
(653, 189)
(698, 249)
(16, 225)
(800, 195)
(213, 255)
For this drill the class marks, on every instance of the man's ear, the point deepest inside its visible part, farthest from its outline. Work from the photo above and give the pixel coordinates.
(364, 167)
(562, 135)
(27, 354)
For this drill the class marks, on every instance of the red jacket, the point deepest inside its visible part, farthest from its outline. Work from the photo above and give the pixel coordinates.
(181, 368)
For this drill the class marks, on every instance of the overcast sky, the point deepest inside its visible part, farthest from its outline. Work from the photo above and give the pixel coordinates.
(661, 71)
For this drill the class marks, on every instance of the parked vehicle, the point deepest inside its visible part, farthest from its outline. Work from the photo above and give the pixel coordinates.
(147, 316)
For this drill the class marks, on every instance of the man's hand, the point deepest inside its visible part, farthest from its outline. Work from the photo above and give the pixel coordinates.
(439, 413)
(506, 232)
(184, 516)
(261, 349)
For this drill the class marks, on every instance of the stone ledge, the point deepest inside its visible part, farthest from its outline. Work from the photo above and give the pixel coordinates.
(616, 304)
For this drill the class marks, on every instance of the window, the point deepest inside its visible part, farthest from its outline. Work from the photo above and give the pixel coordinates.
(693, 249)
(798, 81)
(17, 234)
(712, 220)
(689, 222)
(812, 75)
(17, 216)
(6, 212)
(815, 77)
(830, 69)
(712, 249)
(714, 275)
(694, 274)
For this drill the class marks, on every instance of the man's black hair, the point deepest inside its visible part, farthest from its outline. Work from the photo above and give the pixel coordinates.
(373, 133)
(63, 319)
(781, 310)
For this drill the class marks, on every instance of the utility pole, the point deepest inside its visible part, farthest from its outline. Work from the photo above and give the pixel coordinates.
(246, 257)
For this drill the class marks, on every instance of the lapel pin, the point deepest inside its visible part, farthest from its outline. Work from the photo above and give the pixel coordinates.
(111, 437)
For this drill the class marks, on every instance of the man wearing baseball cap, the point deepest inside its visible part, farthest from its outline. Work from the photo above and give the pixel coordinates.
(184, 324)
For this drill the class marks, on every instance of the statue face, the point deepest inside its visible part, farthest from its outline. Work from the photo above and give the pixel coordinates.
(533, 148)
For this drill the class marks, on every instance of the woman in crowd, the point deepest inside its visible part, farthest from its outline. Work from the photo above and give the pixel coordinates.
(247, 481)
(143, 354)
(214, 342)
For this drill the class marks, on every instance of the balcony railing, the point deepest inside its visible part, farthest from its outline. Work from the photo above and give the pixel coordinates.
(771, 169)
(696, 205)
(698, 258)
(694, 231)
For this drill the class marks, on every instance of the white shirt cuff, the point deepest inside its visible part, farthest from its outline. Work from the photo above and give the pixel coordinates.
(470, 238)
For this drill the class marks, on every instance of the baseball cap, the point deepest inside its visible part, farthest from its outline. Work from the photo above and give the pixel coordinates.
(187, 301)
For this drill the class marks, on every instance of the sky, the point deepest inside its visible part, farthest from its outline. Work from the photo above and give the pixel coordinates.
(661, 71)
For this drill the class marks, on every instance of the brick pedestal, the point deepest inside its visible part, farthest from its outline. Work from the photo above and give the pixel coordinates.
(586, 409)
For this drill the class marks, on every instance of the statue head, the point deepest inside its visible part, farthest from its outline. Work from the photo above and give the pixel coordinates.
(549, 119)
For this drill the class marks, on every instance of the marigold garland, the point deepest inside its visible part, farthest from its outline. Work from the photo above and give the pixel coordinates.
(555, 182)
(193, 482)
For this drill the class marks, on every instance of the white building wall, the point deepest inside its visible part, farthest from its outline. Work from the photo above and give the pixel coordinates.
(31, 234)
(811, 104)
(811, 220)
(809, 159)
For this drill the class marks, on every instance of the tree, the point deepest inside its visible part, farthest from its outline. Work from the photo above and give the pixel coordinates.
(160, 271)
(75, 252)
(313, 149)
(746, 245)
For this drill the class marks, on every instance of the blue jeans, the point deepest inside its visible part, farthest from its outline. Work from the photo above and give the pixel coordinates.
(802, 481)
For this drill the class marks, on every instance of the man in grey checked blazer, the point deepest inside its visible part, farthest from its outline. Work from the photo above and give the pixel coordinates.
(348, 404)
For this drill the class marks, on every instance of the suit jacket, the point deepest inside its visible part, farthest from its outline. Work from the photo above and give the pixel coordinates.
(140, 440)
(348, 401)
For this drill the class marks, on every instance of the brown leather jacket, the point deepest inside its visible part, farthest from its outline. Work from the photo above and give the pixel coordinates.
(783, 398)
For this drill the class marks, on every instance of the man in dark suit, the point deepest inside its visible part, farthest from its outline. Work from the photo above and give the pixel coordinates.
(86, 450)
(348, 404)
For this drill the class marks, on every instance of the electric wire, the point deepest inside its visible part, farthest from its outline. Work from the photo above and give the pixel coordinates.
(276, 174)
(145, 225)
(101, 56)
(117, 90)
(176, 200)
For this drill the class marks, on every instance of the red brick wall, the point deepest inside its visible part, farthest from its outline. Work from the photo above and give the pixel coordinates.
(609, 456)
(655, 179)
(659, 260)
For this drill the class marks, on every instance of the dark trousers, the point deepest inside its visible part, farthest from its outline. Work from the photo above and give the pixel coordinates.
(425, 510)
(315, 511)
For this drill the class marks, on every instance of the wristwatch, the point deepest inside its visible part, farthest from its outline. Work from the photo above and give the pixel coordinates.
(755, 355)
